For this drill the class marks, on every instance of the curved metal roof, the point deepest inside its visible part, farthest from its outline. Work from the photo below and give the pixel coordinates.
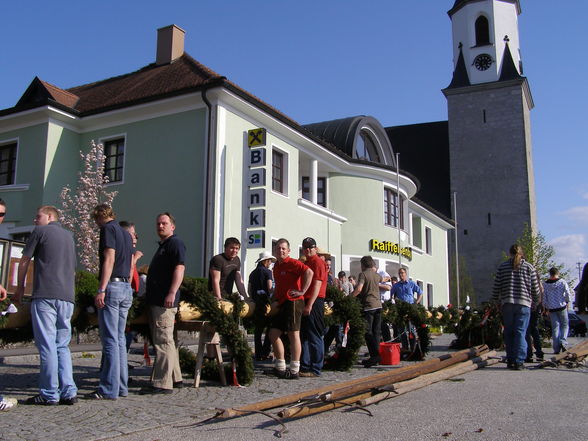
(343, 134)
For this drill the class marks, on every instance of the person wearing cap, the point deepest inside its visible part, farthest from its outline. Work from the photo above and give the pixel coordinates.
(261, 287)
(293, 278)
(313, 315)
(225, 271)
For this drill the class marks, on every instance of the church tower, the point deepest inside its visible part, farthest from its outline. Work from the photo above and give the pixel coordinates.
(489, 104)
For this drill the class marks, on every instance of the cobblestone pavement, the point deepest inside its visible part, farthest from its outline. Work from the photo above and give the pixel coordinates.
(94, 420)
(98, 420)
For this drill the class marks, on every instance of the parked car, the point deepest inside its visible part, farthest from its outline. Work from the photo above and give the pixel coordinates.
(577, 325)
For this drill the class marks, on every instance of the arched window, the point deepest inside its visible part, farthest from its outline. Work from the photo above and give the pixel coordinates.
(482, 31)
(365, 147)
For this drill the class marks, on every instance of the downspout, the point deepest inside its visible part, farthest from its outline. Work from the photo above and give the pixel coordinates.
(219, 81)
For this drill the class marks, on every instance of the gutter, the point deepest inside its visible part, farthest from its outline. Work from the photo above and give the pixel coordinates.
(209, 169)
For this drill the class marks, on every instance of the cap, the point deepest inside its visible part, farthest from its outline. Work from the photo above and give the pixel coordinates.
(309, 242)
(264, 255)
(383, 273)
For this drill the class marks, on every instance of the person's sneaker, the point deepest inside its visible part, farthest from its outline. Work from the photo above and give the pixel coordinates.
(178, 384)
(518, 367)
(70, 401)
(308, 374)
(529, 360)
(278, 372)
(291, 375)
(372, 361)
(155, 391)
(7, 404)
(540, 358)
(39, 400)
(98, 396)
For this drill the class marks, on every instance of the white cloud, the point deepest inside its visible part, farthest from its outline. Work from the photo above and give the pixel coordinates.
(569, 250)
(578, 215)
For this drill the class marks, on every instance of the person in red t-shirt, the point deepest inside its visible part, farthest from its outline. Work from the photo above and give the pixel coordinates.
(292, 279)
(313, 316)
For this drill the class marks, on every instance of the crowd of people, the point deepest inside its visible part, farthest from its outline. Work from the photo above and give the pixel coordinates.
(296, 287)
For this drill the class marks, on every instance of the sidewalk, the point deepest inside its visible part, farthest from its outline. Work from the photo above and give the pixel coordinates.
(145, 417)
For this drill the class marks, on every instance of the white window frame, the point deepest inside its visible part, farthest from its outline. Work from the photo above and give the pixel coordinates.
(103, 141)
(286, 170)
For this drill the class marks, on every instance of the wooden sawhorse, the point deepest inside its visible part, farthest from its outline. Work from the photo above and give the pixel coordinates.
(207, 338)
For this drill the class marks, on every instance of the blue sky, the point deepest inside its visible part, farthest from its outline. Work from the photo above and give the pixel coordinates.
(321, 60)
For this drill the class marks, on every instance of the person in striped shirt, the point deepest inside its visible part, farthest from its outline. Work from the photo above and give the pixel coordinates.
(516, 286)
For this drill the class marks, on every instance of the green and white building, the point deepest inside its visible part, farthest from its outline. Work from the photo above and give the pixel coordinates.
(181, 138)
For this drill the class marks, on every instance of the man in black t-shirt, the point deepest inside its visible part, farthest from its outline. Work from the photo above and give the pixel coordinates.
(225, 271)
(113, 300)
(166, 273)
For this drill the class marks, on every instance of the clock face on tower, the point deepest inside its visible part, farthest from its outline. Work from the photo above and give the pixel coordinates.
(483, 62)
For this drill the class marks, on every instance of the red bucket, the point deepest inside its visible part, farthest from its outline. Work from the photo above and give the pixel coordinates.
(390, 353)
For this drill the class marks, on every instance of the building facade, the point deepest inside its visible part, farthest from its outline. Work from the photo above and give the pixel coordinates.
(179, 137)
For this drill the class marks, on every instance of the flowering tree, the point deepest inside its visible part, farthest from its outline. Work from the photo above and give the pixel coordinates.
(76, 207)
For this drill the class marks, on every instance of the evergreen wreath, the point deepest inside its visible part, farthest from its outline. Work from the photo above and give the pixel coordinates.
(195, 292)
(401, 315)
(345, 309)
(479, 326)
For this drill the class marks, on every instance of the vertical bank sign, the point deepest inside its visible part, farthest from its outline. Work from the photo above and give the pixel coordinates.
(256, 179)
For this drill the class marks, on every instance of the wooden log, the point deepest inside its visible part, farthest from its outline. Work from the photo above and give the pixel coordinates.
(367, 397)
(578, 348)
(293, 398)
(394, 376)
(403, 387)
(299, 412)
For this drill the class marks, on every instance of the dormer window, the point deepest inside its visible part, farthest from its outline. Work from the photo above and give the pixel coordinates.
(482, 31)
(365, 147)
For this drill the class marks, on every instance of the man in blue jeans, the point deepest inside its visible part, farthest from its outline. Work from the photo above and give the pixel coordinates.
(113, 300)
(52, 307)
(313, 321)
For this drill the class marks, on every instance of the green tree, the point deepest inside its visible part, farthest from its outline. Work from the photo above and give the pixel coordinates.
(539, 253)
(466, 287)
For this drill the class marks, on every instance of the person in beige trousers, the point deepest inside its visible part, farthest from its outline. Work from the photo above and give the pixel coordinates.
(166, 273)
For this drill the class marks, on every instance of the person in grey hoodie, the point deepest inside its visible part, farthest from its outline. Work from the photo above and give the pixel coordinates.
(556, 297)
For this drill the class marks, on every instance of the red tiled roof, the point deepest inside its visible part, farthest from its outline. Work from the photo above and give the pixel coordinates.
(147, 84)
(61, 96)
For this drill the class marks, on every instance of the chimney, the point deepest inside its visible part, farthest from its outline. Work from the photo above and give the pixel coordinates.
(170, 44)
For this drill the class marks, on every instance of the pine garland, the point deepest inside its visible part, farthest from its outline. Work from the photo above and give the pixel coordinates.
(401, 315)
(479, 326)
(345, 309)
(195, 292)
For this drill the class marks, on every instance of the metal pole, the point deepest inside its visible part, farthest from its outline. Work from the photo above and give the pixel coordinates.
(456, 249)
(579, 271)
(399, 209)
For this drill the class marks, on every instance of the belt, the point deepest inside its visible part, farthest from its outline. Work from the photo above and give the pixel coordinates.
(120, 279)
